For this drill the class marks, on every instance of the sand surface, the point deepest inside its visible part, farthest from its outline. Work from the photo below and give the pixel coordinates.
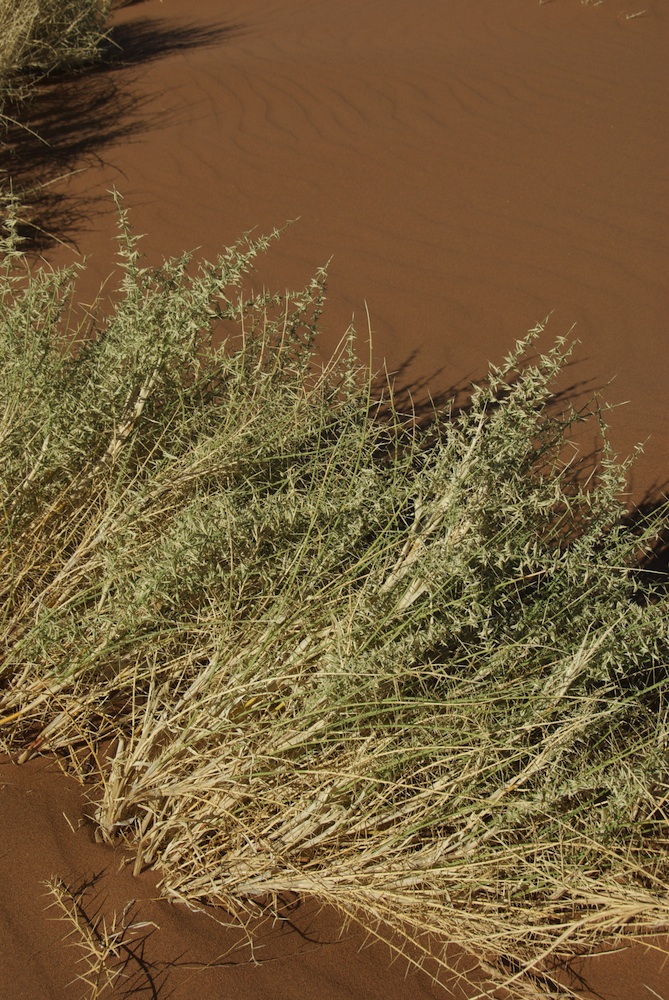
(165, 949)
(468, 166)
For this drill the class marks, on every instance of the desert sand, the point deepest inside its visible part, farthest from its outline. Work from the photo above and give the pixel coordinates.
(467, 168)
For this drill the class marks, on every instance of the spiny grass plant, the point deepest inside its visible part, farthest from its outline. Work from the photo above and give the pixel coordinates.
(297, 644)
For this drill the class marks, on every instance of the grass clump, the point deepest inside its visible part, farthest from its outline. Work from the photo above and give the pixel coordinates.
(300, 644)
(38, 37)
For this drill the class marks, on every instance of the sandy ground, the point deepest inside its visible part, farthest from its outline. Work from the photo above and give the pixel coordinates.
(468, 167)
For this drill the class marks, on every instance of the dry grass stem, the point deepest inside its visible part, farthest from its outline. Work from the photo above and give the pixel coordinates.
(418, 673)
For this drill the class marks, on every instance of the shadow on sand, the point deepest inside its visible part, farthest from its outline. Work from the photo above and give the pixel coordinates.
(68, 122)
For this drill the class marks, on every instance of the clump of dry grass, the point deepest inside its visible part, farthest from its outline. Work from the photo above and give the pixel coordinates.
(313, 648)
(38, 37)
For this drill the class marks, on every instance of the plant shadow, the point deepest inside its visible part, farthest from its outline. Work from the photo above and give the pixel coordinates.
(112, 946)
(69, 120)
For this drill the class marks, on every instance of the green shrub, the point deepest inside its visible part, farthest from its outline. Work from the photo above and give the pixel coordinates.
(407, 671)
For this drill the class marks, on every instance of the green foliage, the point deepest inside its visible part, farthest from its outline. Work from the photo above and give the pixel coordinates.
(407, 670)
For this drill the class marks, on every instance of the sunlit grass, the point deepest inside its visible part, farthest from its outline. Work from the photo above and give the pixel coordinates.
(40, 36)
(299, 644)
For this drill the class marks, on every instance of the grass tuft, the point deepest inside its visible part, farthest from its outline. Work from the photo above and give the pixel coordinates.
(39, 37)
(301, 644)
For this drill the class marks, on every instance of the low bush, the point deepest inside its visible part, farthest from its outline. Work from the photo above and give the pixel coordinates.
(298, 642)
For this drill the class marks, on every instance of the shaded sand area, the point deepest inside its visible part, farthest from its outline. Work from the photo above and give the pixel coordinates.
(469, 166)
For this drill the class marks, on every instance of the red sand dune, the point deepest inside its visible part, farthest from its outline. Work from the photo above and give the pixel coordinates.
(469, 165)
